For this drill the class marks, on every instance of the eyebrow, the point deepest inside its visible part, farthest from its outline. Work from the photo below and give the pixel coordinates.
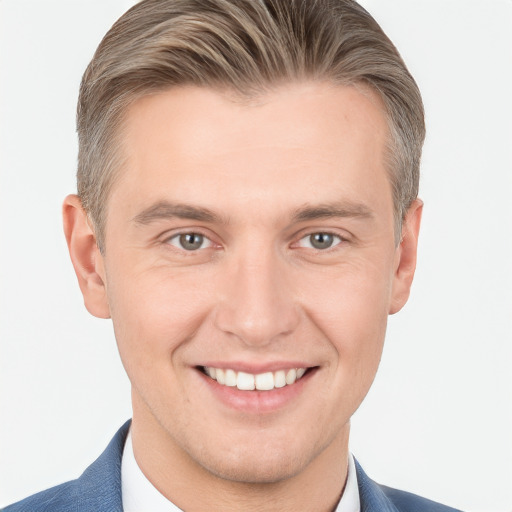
(332, 210)
(163, 210)
(167, 210)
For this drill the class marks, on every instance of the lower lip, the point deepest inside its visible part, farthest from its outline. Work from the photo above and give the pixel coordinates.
(258, 402)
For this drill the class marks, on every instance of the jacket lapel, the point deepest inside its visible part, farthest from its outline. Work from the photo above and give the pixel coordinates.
(99, 487)
(371, 496)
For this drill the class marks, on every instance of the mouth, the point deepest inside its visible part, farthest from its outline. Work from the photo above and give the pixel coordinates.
(257, 390)
(266, 381)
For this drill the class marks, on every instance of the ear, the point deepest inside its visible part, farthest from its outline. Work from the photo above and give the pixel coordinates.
(86, 257)
(405, 261)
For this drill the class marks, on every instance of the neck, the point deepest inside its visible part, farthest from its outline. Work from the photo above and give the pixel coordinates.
(317, 486)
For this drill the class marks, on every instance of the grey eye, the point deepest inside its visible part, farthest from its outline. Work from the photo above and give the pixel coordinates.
(320, 241)
(190, 241)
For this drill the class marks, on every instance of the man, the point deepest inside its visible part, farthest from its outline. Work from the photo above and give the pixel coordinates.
(247, 215)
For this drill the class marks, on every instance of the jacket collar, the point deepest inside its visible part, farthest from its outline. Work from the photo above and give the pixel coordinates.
(371, 496)
(99, 487)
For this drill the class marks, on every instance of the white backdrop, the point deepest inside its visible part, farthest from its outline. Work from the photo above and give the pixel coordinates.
(438, 420)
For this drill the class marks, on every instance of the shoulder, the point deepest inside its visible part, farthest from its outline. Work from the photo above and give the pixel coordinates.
(61, 497)
(99, 487)
(408, 502)
(380, 498)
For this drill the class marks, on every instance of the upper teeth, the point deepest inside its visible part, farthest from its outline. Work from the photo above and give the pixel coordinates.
(248, 382)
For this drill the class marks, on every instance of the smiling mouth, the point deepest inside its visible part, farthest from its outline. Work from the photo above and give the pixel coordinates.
(250, 382)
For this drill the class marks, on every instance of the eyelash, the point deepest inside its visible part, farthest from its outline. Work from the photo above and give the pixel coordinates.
(178, 236)
(337, 240)
(333, 245)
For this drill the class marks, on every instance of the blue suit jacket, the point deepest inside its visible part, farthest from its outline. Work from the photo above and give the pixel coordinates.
(99, 490)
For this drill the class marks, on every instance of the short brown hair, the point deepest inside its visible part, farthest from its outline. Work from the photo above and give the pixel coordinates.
(247, 46)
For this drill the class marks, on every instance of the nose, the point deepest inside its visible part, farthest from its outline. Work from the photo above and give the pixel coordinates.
(257, 300)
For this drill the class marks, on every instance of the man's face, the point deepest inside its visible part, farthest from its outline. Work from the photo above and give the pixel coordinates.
(255, 239)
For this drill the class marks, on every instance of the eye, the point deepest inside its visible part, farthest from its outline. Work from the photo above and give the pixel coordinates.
(320, 241)
(190, 241)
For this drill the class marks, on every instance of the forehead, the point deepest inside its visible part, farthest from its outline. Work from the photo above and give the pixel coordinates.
(211, 147)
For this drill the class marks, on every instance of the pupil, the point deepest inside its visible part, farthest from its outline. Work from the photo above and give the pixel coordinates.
(191, 241)
(321, 240)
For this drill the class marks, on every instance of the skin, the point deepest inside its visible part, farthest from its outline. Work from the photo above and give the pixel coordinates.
(257, 292)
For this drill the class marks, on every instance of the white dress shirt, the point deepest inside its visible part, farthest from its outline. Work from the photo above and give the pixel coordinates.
(139, 494)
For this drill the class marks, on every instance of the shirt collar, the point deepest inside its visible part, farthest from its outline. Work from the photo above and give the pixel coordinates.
(139, 494)
(350, 499)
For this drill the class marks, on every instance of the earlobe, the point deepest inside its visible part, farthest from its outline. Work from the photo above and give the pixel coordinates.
(85, 256)
(406, 257)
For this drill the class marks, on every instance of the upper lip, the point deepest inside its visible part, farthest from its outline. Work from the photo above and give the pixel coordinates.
(256, 368)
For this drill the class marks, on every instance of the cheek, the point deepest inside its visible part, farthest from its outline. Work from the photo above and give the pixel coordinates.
(350, 308)
(352, 298)
(154, 313)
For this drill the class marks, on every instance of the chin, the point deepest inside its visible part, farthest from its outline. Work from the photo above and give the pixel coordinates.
(261, 459)
(255, 468)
